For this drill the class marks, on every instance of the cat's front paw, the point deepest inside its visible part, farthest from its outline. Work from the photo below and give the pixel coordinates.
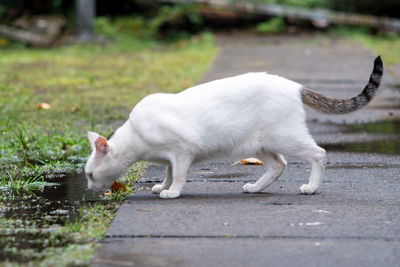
(169, 194)
(157, 189)
(308, 189)
(251, 188)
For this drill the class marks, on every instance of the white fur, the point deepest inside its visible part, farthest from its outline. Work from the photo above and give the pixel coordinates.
(254, 114)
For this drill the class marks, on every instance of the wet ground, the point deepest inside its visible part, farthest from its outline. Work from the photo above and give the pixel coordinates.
(353, 219)
(33, 217)
(373, 137)
(55, 204)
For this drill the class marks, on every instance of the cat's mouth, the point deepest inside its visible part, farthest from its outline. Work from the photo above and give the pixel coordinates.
(98, 189)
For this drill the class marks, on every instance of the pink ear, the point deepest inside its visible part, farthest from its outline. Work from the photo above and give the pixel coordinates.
(102, 147)
(92, 138)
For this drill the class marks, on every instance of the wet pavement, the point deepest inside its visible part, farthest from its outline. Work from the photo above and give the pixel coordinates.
(352, 221)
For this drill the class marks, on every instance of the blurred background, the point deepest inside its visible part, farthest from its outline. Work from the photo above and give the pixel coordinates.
(59, 18)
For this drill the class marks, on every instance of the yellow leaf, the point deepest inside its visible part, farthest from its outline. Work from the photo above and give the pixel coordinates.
(44, 105)
(252, 161)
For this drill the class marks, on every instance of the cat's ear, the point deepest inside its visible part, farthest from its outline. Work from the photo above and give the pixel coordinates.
(92, 139)
(101, 145)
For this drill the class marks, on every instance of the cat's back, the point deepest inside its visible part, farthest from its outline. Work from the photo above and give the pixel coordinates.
(250, 90)
(253, 84)
(235, 108)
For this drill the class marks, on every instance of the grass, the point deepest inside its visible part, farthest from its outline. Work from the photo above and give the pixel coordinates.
(88, 87)
(12, 185)
(387, 47)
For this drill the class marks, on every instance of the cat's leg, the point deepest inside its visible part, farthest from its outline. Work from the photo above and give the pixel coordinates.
(165, 184)
(276, 164)
(180, 171)
(316, 156)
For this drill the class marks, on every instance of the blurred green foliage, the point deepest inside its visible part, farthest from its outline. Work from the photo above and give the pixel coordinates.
(171, 22)
(272, 26)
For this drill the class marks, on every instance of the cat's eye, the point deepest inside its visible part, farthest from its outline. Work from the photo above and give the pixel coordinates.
(90, 175)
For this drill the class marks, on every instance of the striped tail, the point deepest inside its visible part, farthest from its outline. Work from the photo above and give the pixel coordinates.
(340, 106)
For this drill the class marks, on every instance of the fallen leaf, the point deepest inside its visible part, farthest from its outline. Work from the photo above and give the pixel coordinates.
(3, 42)
(252, 161)
(118, 187)
(75, 109)
(143, 210)
(43, 105)
(107, 194)
(182, 43)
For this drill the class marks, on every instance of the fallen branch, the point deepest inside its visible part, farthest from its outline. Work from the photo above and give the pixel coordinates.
(320, 17)
(40, 32)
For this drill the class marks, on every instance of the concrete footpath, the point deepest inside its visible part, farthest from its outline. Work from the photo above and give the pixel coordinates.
(354, 219)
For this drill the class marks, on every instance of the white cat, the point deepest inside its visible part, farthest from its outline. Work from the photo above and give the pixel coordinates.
(254, 114)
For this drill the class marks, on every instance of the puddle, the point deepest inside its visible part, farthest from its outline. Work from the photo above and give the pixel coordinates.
(34, 217)
(384, 127)
(386, 147)
(391, 146)
(54, 204)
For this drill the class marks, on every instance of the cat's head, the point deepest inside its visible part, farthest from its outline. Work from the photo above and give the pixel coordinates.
(103, 166)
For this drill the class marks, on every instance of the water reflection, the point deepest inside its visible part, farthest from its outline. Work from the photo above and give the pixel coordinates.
(54, 204)
(391, 146)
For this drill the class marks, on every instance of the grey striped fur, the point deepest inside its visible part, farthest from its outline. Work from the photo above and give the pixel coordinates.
(339, 106)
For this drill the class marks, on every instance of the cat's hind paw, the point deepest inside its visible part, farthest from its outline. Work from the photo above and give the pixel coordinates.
(157, 189)
(170, 194)
(308, 189)
(251, 188)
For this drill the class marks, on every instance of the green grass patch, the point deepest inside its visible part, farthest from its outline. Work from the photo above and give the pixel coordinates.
(387, 47)
(11, 184)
